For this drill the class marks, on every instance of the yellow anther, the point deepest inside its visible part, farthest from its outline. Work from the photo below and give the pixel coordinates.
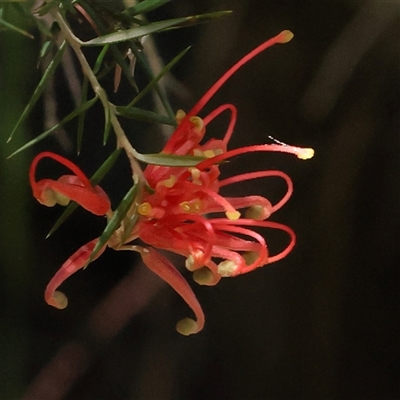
(170, 182)
(180, 114)
(185, 206)
(195, 172)
(233, 215)
(198, 123)
(144, 209)
(198, 153)
(189, 263)
(193, 206)
(209, 153)
(227, 268)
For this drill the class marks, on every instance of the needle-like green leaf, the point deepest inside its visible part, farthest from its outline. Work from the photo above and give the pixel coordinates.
(139, 114)
(40, 87)
(68, 118)
(169, 160)
(140, 31)
(154, 81)
(95, 180)
(114, 50)
(116, 219)
(164, 100)
(13, 27)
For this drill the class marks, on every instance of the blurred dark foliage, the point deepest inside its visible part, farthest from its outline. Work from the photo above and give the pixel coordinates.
(321, 324)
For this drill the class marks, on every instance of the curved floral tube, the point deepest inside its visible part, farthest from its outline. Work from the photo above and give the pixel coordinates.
(68, 187)
(74, 263)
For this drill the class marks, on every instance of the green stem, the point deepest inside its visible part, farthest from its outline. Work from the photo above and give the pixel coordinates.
(122, 140)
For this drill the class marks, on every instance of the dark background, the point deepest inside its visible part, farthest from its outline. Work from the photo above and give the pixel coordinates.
(322, 323)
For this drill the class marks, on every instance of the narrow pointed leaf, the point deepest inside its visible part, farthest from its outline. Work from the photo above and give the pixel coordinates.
(154, 81)
(114, 50)
(95, 180)
(164, 100)
(68, 118)
(100, 59)
(169, 160)
(107, 124)
(133, 33)
(139, 114)
(107, 113)
(140, 31)
(45, 49)
(116, 219)
(39, 89)
(14, 28)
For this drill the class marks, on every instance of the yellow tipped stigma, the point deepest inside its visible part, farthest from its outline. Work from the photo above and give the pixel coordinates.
(285, 36)
(305, 154)
(232, 215)
(144, 209)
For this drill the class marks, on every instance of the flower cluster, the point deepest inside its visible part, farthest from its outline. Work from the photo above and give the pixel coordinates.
(181, 209)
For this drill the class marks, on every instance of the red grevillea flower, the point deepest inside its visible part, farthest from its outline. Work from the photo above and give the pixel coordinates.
(178, 215)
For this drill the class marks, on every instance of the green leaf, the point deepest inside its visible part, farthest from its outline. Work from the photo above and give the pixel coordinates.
(45, 49)
(139, 114)
(142, 60)
(144, 6)
(114, 50)
(40, 87)
(95, 180)
(13, 27)
(116, 219)
(154, 81)
(100, 59)
(169, 160)
(68, 118)
(107, 123)
(137, 32)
